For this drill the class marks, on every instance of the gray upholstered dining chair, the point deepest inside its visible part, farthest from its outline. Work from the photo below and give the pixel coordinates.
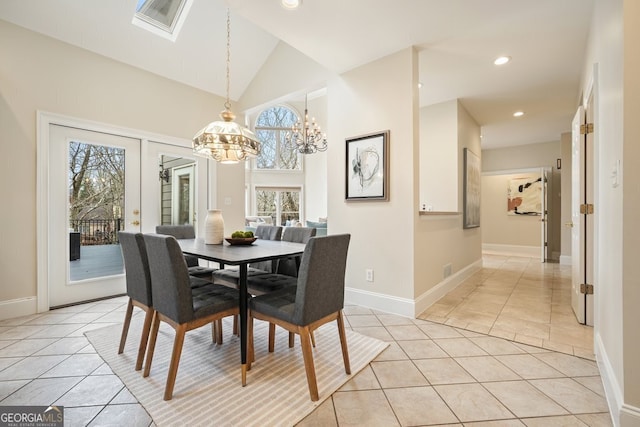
(317, 299)
(187, 231)
(231, 276)
(177, 303)
(138, 282)
(290, 266)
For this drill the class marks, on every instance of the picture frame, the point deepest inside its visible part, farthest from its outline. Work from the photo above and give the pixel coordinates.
(471, 191)
(367, 167)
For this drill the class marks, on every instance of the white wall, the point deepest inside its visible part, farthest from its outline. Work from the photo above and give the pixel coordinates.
(499, 227)
(39, 73)
(612, 66)
(439, 157)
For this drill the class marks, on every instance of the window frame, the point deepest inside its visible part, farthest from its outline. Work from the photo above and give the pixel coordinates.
(278, 189)
(281, 132)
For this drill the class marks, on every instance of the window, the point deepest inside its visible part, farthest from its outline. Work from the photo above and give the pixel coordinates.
(281, 204)
(271, 129)
(162, 17)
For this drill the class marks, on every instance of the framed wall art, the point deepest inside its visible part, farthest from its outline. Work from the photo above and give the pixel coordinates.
(471, 191)
(367, 167)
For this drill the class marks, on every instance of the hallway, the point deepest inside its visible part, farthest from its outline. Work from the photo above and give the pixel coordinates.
(520, 299)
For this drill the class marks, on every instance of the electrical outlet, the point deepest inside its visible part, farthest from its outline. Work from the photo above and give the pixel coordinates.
(369, 274)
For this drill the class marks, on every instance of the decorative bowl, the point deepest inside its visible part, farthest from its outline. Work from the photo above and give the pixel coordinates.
(240, 240)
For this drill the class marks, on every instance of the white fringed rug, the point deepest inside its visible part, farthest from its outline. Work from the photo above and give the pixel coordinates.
(208, 388)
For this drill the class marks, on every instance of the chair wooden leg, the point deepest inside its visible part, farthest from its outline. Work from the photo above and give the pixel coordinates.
(292, 339)
(144, 338)
(309, 368)
(251, 357)
(343, 343)
(219, 330)
(313, 339)
(272, 336)
(125, 326)
(155, 325)
(235, 325)
(214, 332)
(175, 361)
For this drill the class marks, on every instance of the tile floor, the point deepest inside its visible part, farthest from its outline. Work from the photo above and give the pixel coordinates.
(432, 373)
(520, 299)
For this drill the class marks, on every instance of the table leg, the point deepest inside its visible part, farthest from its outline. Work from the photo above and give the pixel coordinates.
(243, 321)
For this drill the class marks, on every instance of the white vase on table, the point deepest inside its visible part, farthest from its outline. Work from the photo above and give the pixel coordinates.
(214, 227)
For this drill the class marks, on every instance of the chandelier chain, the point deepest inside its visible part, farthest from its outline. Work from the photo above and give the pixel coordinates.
(227, 104)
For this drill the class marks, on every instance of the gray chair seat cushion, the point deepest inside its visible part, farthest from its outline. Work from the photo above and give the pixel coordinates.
(231, 276)
(212, 298)
(202, 272)
(266, 283)
(279, 304)
(196, 282)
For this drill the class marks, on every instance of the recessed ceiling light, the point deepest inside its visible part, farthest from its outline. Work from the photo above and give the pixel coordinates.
(502, 60)
(518, 114)
(419, 85)
(290, 4)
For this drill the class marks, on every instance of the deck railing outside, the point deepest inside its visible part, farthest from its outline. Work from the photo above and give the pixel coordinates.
(97, 231)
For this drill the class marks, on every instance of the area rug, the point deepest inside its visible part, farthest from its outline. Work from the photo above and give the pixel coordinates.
(208, 388)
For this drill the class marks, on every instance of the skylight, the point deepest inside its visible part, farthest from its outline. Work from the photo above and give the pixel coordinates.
(162, 17)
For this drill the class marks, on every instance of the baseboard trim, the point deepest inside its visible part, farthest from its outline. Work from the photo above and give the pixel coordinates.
(511, 250)
(405, 306)
(381, 302)
(18, 307)
(428, 298)
(629, 416)
(566, 260)
(612, 390)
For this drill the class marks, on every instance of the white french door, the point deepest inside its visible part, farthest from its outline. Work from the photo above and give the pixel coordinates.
(94, 192)
(113, 172)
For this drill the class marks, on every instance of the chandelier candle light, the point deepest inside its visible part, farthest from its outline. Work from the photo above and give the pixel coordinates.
(226, 141)
(308, 138)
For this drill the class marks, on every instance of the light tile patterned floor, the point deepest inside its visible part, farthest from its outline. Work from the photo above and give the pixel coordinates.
(432, 374)
(520, 299)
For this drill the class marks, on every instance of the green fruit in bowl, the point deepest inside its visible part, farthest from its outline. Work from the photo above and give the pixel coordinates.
(248, 234)
(237, 234)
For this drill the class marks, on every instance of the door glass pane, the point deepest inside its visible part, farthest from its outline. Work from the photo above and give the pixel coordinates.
(96, 205)
(289, 206)
(184, 199)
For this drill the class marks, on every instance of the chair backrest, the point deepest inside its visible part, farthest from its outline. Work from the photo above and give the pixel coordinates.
(180, 232)
(290, 266)
(268, 232)
(320, 289)
(169, 278)
(136, 264)
(186, 231)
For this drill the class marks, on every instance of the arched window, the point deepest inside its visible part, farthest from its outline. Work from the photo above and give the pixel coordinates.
(271, 128)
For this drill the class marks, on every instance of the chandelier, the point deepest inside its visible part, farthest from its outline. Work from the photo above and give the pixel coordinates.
(307, 138)
(226, 141)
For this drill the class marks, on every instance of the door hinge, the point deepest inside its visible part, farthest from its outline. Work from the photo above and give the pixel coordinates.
(586, 208)
(586, 289)
(586, 128)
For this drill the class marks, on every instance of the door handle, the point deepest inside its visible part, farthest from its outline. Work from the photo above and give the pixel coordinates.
(568, 224)
(136, 222)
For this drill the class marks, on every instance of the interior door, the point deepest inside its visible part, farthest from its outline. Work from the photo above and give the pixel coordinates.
(94, 192)
(544, 218)
(581, 218)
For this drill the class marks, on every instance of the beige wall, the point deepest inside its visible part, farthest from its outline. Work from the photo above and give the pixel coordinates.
(381, 232)
(522, 157)
(39, 73)
(499, 227)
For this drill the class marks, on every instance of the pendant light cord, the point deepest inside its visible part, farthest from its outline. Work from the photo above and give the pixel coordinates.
(227, 104)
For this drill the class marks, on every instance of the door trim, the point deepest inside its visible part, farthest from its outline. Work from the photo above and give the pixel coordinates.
(44, 119)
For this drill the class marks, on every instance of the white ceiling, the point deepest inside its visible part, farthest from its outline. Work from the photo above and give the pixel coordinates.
(457, 39)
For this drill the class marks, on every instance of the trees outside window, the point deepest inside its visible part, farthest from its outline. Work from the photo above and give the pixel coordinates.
(281, 204)
(271, 128)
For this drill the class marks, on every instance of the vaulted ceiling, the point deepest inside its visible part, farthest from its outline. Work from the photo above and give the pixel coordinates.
(457, 41)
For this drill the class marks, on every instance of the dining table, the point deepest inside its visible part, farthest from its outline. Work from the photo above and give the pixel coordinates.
(241, 256)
